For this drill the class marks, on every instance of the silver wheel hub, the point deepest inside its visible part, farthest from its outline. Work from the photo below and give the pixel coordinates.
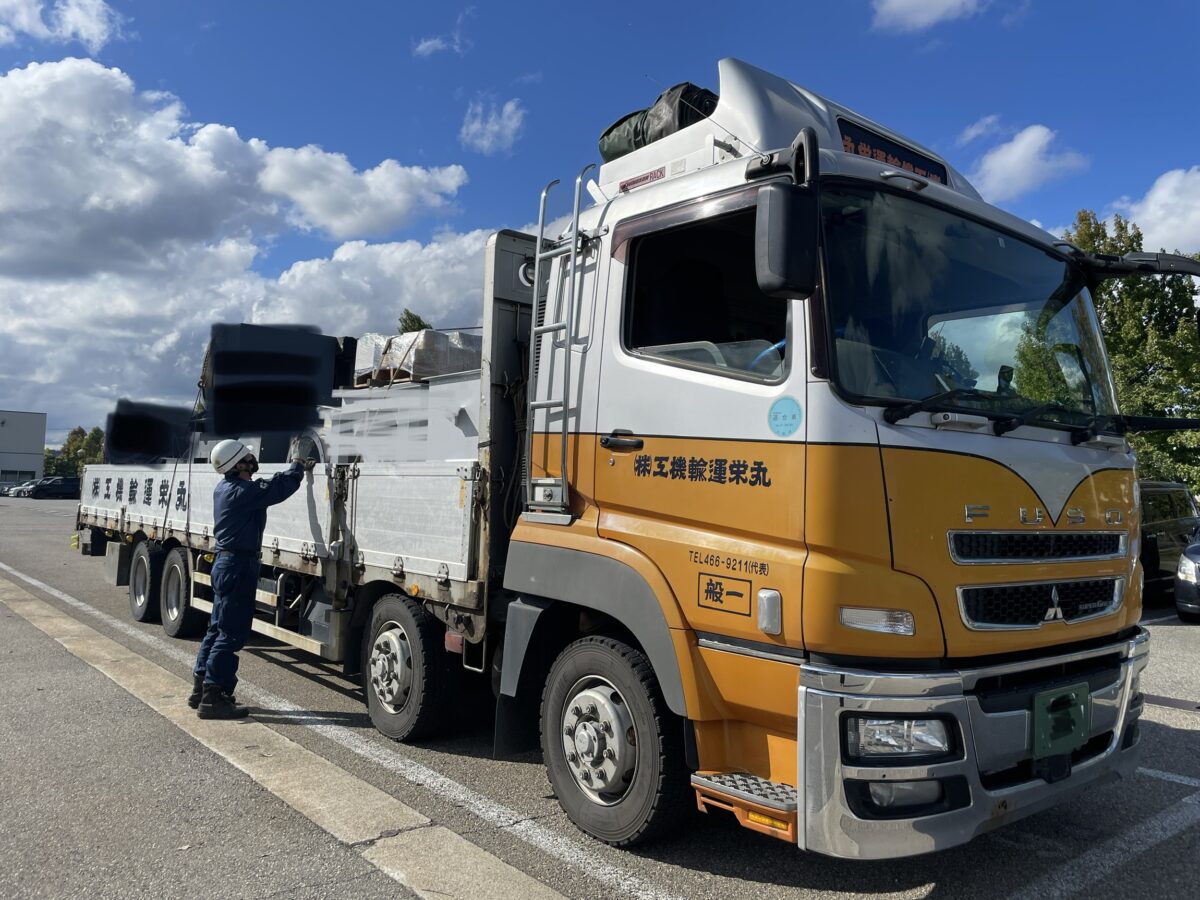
(599, 740)
(391, 667)
(140, 579)
(174, 594)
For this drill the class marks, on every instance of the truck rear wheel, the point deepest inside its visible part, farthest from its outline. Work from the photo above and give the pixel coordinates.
(179, 620)
(145, 581)
(613, 751)
(405, 672)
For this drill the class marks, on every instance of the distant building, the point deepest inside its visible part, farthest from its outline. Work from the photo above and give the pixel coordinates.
(22, 445)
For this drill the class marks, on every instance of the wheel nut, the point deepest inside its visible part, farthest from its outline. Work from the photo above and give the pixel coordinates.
(600, 775)
(608, 753)
(608, 729)
(591, 709)
(576, 711)
(572, 758)
(585, 775)
(568, 730)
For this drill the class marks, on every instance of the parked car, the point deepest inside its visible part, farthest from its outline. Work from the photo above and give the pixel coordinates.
(1187, 592)
(21, 490)
(60, 486)
(1170, 523)
(5, 485)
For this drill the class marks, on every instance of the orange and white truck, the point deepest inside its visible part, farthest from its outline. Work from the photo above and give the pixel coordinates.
(790, 482)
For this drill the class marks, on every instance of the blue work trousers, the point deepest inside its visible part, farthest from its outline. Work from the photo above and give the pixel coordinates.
(234, 581)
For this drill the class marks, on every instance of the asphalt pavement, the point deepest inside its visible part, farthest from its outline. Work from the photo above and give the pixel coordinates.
(100, 791)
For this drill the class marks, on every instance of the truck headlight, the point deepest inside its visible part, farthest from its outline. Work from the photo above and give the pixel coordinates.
(1186, 570)
(879, 738)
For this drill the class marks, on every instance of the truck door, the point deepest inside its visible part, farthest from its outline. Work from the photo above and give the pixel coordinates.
(700, 453)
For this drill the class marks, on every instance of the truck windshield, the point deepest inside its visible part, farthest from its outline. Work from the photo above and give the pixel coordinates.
(923, 302)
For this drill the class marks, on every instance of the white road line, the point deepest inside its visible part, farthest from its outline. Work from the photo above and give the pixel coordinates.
(1170, 776)
(343, 805)
(548, 841)
(1100, 861)
(1159, 619)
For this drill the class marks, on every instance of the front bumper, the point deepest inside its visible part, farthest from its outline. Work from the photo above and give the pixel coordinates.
(993, 780)
(1187, 596)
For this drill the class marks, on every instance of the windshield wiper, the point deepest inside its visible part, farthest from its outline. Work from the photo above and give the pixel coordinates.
(894, 414)
(1016, 420)
(1106, 265)
(1134, 424)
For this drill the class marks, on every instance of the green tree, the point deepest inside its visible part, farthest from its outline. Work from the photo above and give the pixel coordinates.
(93, 446)
(1149, 326)
(70, 458)
(411, 321)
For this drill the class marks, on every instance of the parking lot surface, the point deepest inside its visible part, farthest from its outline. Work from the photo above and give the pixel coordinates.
(102, 790)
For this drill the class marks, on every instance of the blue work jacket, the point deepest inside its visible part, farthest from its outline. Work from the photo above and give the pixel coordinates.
(240, 507)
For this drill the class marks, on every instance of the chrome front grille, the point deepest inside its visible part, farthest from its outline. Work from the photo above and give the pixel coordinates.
(991, 607)
(974, 547)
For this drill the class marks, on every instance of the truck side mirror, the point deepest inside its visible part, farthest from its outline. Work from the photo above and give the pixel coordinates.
(785, 240)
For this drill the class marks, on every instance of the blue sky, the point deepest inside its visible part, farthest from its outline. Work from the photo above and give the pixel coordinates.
(377, 143)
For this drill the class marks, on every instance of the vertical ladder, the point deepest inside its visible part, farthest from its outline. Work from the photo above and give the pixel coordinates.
(547, 499)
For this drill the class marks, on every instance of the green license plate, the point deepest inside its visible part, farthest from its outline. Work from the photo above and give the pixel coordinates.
(1061, 720)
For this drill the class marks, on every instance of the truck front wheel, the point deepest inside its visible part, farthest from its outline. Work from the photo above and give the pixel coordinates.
(405, 673)
(613, 752)
(145, 580)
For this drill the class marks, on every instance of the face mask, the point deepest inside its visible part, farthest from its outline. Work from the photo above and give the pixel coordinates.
(251, 466)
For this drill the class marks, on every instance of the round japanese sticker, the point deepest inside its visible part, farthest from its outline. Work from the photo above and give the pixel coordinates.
(785, 416)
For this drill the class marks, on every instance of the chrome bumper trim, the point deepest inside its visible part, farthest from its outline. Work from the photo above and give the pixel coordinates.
(991, 743)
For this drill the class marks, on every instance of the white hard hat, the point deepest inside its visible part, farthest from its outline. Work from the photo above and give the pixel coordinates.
(227, 454)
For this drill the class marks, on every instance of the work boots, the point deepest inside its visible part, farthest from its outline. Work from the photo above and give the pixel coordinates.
(216, 704)
(197, 691)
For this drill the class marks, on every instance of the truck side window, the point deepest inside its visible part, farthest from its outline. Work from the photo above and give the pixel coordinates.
(693, 300)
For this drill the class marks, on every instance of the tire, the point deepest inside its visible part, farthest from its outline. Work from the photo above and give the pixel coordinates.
(406, 673)
(1190, 617)
(609, 688)
(145, 580)
(36, 495)
(178, 618)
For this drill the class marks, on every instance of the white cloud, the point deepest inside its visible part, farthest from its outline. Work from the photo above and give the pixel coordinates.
(1024, 163)
(1056, 230)
(492, 130)
(92, 23)
(430, 45)
(985, 126)
(455, 40)
(328, 193)
(96, 176)
(126, 231)
(918, 15)
(442, 280)
(1169, 213)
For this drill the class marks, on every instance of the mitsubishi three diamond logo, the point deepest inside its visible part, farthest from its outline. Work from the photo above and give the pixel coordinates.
(1054, 612)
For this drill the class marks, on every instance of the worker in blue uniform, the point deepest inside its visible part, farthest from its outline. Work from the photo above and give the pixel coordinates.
(239, 519)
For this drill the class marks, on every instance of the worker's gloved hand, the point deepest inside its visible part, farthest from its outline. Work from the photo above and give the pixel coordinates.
(300, 449)
(308, 464)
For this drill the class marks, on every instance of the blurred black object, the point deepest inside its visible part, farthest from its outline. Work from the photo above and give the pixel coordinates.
(262, 378)
(139, 433)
